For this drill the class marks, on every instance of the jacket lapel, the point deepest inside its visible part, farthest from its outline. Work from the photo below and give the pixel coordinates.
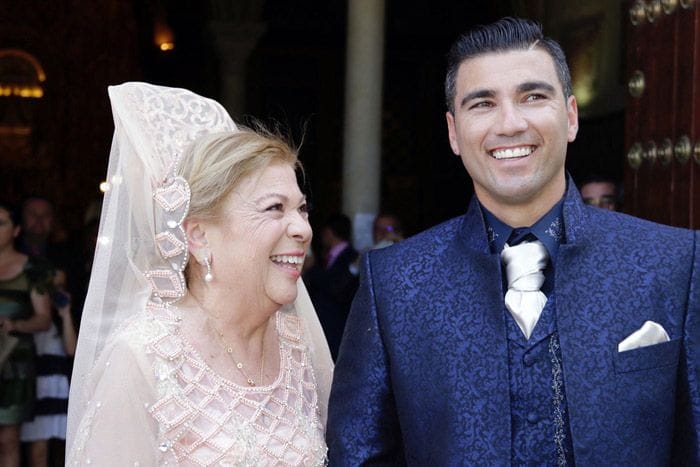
(584, 325)
(479, 305)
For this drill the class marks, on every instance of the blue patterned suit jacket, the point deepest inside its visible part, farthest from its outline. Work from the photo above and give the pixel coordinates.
(422, 375)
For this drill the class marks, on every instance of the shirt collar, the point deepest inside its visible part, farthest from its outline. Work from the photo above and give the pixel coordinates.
(334, 252)
(549, 229)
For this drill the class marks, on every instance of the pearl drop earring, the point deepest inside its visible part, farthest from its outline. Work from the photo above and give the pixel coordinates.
(208, 276)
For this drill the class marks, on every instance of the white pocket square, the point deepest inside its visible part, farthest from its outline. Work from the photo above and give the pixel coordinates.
(649, 334)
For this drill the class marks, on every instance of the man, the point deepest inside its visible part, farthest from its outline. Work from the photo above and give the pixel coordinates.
(45, 434)
(386, 230)
(332, 284)
(601, 192)
(37, 223)
(516, 334)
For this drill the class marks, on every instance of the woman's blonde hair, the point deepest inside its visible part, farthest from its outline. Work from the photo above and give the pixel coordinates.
(215, 164)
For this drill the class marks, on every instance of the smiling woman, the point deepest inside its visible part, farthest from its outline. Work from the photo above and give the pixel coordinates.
(216, 361)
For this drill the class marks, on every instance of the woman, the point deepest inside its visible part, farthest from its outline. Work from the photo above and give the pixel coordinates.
(218, 360)
(54, 351)
(24, 309)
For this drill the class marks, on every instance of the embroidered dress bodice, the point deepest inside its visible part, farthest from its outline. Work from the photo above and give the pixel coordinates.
(199, 418)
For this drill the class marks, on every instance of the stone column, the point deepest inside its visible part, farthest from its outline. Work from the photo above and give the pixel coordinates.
(235, 42)
(363, 115)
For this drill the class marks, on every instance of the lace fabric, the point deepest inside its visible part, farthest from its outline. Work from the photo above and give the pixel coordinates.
(137, 269)
(201, 418)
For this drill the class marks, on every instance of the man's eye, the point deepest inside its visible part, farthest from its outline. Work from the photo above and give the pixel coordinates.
(535, 97)
(481, 104)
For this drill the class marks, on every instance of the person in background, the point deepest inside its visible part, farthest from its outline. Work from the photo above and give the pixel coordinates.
(37, 222)
(332, 283)
(55, 348)
(601, 192)
(24, 310)
(386, 230)
(40, 236)
(43, 239)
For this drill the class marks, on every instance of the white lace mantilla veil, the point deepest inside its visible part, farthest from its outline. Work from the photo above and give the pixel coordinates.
(153, 125)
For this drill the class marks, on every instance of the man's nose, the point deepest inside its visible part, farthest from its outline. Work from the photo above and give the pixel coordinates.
(511, 119)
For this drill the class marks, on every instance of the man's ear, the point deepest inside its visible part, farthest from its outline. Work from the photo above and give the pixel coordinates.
(572, 116)
(452, 134)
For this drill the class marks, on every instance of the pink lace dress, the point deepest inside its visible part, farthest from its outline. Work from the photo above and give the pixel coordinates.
(157, 402)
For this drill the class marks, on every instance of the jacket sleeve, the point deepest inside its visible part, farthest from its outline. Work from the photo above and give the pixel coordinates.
(363, 427)
(686, 439)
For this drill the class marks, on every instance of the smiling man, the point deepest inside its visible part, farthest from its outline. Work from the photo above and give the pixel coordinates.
(534, 330)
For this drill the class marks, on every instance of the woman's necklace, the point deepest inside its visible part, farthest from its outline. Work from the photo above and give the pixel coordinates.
(239, 365)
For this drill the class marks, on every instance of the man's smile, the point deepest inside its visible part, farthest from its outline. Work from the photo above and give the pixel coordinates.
(512, 153)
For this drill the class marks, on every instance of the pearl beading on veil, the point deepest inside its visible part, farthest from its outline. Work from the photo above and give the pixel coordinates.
(172, 203)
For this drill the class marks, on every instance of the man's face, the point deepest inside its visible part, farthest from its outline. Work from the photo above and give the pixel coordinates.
(37, 218)
(384, 227)
(600, 194)
(511, 127)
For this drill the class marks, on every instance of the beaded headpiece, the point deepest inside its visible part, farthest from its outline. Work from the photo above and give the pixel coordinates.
(164, 122)
(172, 203)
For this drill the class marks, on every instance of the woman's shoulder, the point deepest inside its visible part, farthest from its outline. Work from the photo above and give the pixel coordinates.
(148, 328)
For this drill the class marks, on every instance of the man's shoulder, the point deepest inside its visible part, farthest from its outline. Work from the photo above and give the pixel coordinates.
(619, 228)
(625, 223)
(428, 242)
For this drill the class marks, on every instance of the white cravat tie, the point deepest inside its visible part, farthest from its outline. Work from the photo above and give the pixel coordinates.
(524, 264)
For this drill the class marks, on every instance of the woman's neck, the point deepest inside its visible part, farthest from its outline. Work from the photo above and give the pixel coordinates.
(234, 319)
(8, 254)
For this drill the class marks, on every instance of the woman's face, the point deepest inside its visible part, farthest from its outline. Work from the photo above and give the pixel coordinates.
(8, 230)
(260, 239)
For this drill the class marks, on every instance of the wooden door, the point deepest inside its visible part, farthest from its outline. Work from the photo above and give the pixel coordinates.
(662, 120)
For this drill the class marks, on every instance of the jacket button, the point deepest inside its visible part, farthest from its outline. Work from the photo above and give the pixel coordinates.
(532, 418)
(529, 359)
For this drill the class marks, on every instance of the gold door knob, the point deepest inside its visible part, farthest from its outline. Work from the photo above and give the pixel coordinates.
(638, 12)
(682, 149)
(636, 84)
(665, 152)
(634, 156)
(653, 10)
(650, 151)
(696, 152)
(669, 6)
(687, 3)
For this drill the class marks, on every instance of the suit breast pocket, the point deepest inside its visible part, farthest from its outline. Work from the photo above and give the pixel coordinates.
(646, 358)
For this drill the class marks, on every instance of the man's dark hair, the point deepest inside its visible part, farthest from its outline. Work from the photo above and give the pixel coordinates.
(340, 225)
(28, 199)
(504, 35)
(600, 178)
(597, 178)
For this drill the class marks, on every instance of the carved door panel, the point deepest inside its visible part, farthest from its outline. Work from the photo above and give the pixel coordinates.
(662, 121)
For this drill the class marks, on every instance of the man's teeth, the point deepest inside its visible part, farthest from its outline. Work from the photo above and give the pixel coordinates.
(512, 153)
(287, 259)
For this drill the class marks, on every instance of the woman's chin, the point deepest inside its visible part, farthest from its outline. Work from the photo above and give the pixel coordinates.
(285, 298)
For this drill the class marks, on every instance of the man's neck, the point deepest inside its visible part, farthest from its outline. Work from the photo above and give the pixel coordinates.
(519, 216)
(521, 213)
